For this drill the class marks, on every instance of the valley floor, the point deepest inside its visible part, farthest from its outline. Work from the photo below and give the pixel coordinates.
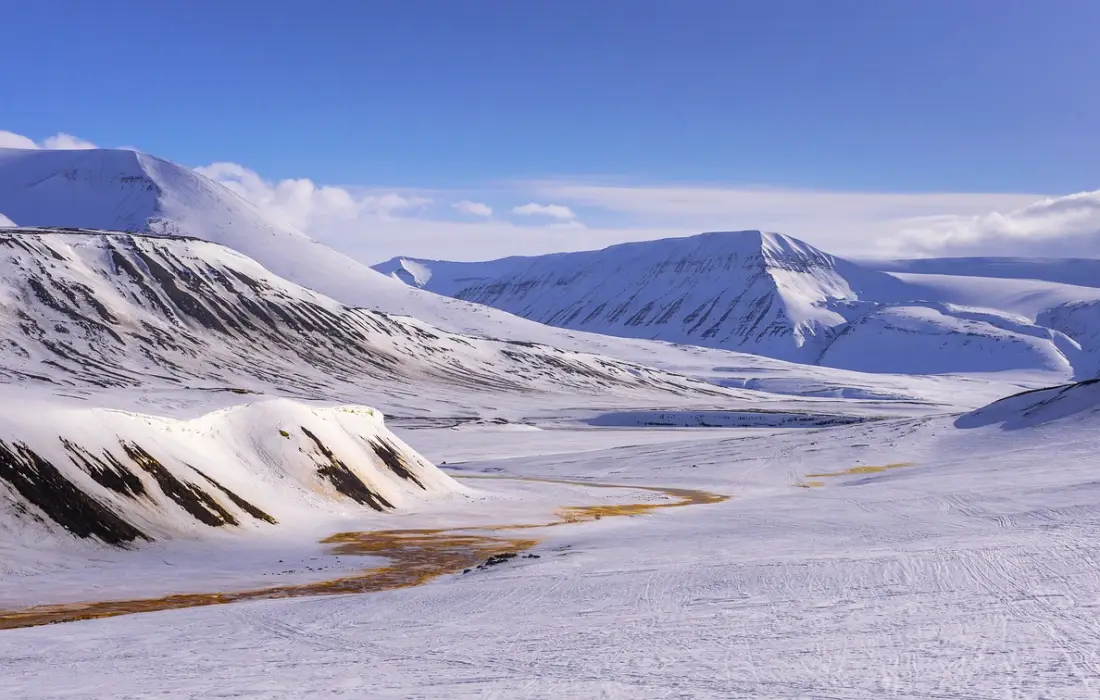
(967, 570)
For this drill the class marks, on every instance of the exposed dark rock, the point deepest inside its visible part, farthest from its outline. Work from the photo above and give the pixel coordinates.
(238, 501)
(392, 459)
(344, 479)
(42, 484)
(198, 503)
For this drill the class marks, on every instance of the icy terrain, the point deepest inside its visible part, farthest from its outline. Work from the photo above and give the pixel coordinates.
(232, 464)
(963, 572)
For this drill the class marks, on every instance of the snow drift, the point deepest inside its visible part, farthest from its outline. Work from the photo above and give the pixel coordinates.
(1079, 402)
(122, 478)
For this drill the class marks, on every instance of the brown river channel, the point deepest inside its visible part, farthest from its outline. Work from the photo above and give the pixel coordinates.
(414, 557)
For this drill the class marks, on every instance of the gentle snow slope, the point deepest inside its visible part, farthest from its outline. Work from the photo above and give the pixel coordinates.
(1079, 402)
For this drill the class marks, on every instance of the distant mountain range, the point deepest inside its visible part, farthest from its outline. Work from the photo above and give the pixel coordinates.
(774, 295)
(762, 293)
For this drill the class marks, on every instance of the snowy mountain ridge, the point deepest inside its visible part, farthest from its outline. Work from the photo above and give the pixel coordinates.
(781, 315)
(746, 290)
(773, 295)
(102, 310)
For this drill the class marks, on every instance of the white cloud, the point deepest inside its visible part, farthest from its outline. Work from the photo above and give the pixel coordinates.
(473, 208)
(12, 140)
(554, 211)
(858, 224)
(374, 225)
(378, 223)
(59, 141)
(303, 205)
(67, 142)
(1066, 226)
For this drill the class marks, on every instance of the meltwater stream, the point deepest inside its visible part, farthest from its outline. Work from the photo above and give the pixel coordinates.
(415, 556)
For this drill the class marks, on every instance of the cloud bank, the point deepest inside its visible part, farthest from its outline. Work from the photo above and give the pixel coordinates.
(60, 141)
(473, 208)
(553, 211)
(1051, 227)
(547, 216)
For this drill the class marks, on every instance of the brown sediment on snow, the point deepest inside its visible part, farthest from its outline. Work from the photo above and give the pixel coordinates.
(815, 479)
(415, 557)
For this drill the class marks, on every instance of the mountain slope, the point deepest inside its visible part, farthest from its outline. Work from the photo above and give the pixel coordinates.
(123, 478)
(1078, 402)
(776, 296)
(121, 190)
(747, 290)
(107, 311)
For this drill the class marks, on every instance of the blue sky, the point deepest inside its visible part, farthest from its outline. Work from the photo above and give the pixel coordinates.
(902, 96)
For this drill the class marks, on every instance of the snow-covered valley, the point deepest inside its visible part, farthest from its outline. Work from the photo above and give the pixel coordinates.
(262, 469)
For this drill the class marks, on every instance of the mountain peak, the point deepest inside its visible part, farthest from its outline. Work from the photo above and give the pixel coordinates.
(732, 289)
(123, 190)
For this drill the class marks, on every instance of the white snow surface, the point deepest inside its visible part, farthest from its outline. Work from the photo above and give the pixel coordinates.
(1073, 271)
(888, 535)
(965, 575)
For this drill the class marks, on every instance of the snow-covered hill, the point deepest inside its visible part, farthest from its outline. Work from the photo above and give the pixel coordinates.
(124, 478)
(99, 310)
(1079, 402)
(773, 295)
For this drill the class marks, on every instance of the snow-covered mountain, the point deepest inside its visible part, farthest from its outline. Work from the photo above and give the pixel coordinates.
(94, 309)
(773, 295)
(124, 190)
(169, 328)
(137, 192)
(120, 190)
(749, 290)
